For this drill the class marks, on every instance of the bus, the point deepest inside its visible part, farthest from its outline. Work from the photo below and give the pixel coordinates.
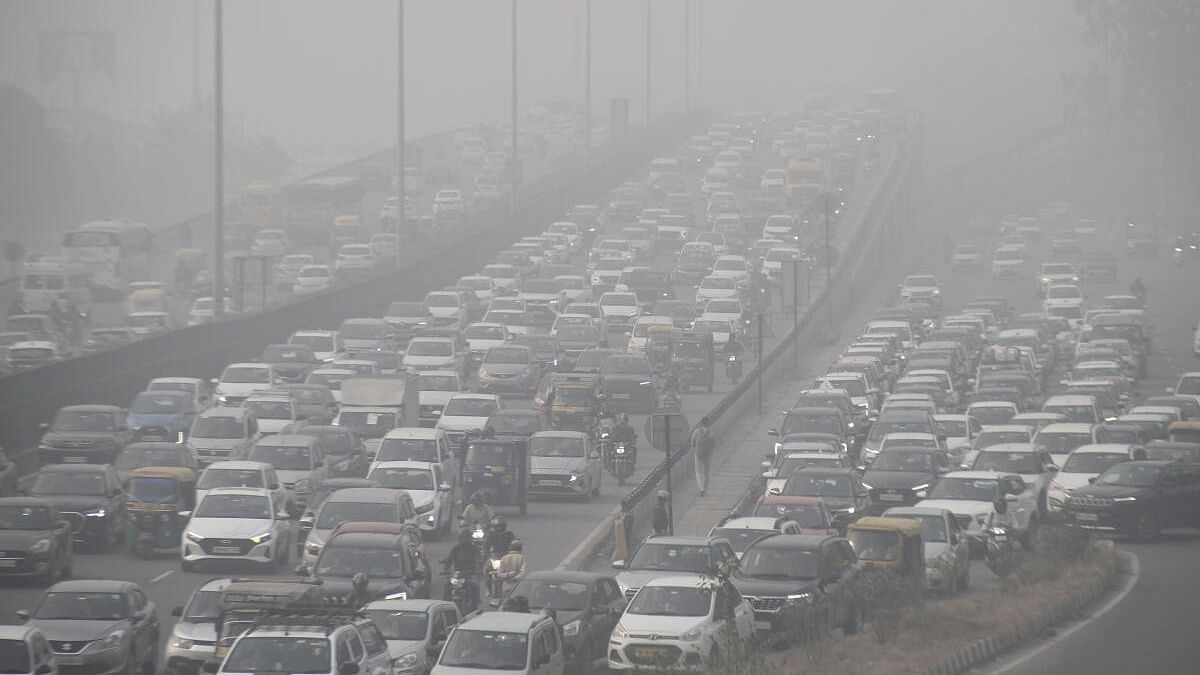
(112, 252)
(311, 205)
(259, 204)
(43, 281)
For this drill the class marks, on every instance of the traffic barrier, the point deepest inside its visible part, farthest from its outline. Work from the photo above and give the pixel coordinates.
(115, 376)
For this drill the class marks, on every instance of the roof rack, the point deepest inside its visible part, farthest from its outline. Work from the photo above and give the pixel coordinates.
(327, 616)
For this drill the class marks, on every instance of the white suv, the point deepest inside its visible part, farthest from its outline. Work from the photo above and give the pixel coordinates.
(327, 643)
(1033, 464)
(971, 496)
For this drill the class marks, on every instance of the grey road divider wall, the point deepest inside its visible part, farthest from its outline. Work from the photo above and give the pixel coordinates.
(115, 376)
(887, 213)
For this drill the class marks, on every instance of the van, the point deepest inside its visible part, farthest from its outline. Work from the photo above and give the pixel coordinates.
(525, 643)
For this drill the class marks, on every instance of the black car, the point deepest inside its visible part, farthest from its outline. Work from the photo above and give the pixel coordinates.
(345, 454)
(89, 496)
(85, 434)
(8, 476)
(781, 570)
(378, 550)
(34, 540)
(903, 476)
(622, 377)
(841, 489)
(292, 363)
(648, 284)
(514, 424)
(1138, 498)
(587, 606)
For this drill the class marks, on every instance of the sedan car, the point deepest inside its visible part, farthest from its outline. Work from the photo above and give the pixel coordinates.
(564, 463)
(508, 368)
(587, 606)
(430, 491)
(98, 626)
(244, 524)
(35, 540)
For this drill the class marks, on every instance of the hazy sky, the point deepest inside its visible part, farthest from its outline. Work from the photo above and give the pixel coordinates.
(319, 75)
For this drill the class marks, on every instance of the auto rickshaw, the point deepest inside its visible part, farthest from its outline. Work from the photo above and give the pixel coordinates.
(659, 346)
(894, 543)
(498, 468)
(243, 600)
(156, 495)
(692, 359)
(573, 401)
(1184, 432)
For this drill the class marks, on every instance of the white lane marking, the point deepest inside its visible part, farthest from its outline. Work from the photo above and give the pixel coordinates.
(1135, 569)
(162, 576)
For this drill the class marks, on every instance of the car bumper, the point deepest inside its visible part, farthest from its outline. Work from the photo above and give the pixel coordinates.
(556, 484)
(193, 552)
(186, 661)
(93, 663)
(1111, 521)
(673, 655)
(24, 566)
(53, 455)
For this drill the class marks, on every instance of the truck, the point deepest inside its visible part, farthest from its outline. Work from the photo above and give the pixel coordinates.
(374, 405)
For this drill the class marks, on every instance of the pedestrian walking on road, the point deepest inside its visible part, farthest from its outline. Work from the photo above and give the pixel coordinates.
(662, 514)
(702, 444)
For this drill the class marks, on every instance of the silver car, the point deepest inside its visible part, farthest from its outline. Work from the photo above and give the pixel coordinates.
(564, 463)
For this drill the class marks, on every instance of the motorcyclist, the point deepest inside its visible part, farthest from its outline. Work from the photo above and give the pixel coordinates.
(624, 432)
(477, 512)
(1001, 516)
(501, 538)
(358, 595)
(512, 567)
(462, 559)
(733, 347)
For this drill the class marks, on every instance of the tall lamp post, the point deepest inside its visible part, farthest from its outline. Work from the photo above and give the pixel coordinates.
(587, 79)
(515, 160)
(218, 166)
(401, 155)
(649, 34)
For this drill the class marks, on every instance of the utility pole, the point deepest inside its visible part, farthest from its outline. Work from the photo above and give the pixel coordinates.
(218, 166)
(758, 348)
(828, 239)
(401, 155)
(687, 55)
(649, 34)
(587, 80)
(700, 49)
(515, 168)
(196, 53)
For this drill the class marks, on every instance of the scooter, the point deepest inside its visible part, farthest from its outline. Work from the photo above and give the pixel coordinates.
(733, 368)
(620, 461)
(1000, 558)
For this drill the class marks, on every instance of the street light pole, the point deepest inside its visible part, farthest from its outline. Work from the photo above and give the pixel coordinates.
(587, 79)
(515, 168)
(649, 33)
(687, 55)
(401, 155)
(218, 166)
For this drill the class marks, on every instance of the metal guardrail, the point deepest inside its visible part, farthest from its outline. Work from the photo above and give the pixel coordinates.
(874, 214)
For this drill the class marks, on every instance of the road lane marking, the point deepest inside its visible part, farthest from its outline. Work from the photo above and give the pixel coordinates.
(162, 576)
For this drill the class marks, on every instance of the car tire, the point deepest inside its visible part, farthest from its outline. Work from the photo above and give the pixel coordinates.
(1146, 527)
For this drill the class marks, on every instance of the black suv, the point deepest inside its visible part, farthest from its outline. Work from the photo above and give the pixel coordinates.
(903, 476)
(89, 497)
(783, 570)
(85, 433)
(841, 489)
(35, 540)
(1139, 499)
(587, 604)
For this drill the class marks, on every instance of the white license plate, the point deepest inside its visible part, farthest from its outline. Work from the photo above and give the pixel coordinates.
(1090, 517)
(63, 660)
(620, 397)
(8, 562)
(227, 550)
(891, 498)
(762, 625)
(75, 459)
(548, 482)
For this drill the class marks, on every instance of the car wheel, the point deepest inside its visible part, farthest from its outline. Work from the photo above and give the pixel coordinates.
(1146, 527)
(854, 621)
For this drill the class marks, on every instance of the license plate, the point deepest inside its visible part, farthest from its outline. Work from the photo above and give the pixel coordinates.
(547, 482)
(647, 652)
(227, 550)
(620, 397)
(63, 660)
(8, 562)
(762, 625)
(891, 497)
(75, 459)
(1090, 517)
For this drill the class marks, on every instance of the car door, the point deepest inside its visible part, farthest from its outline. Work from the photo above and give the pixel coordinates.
(1174, 501)
(607, 604)
(144, 624)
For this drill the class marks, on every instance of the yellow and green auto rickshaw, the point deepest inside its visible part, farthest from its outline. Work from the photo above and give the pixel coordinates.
(893, 543)
(156, 498)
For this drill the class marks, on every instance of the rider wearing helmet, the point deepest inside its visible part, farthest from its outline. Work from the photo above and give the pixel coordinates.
(623, 432)
(358, 590)
(477, 511)
(1001, 516)
(733, 347)
(462, 556)
(500, 539)
(512, 567)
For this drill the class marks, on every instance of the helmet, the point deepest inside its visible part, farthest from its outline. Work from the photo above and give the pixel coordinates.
(1001, 505)
(663, 494)
(517, 545)
(359, 581)
(477, 498)
(499, 524)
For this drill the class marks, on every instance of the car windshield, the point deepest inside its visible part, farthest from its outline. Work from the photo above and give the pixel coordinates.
(82, 606)
(234, 506)
(318, 343)
(132, 457)
(625, 365)
(1061, 443)
(203, 606)
(951, 428)
(13, 517)
(14, 657)
(428, 382)
(561, 596)
(618, 300)
(806, 515)
(404, 478)
(485, 650)
(579, 333)
(89, 483)
(818, 485)
(283, 457)
(970, 489)
(1130, 474)
(990, 438)
(779, 563)
(331, 380)
(430, 348)
(514, 423)
(288, 354)
(507, 355)
(874, 545)
(718, 283)
(345, 561)
(1011, 462)
(670, 557)
(407, 450)
(1093, 462)
(718, 306)
(403, 625)
(904, 461)
(218, 478)
(992, 414)
(796, 423)
(336, 513)
(933, 528)
(471, 407)
(368, 424)
(882, 428)
(269, 409)
(740, 538)
(83, 420)
(248, 375)
(671, 601)
(151, 403)
(290, 654)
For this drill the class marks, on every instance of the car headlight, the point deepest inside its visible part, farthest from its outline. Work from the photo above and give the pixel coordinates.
(221, 398)
(871, 452)
(40, 546)
(850, 425)
(919, 491)
(1124, 500)
(572, 628)
(573, 478)
(692, 635)
(192, 536)
(620, 632)
(181, 643)
(110, 641)
(800, 597)
(406, 661)
(778, 447)
(260, 538)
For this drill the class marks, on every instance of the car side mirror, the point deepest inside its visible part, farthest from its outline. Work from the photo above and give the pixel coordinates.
(1010, 497)
(765, 465)
(618, 564)
(444, 487)
(306, 521)
(773, 432)
(22, 614)
(283, 515)
(46, 425)
(1053, 468)
(184, 514)
(1170, 390)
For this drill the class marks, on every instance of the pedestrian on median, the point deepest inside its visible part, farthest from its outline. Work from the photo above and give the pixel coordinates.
(702, 444)
(662, 514)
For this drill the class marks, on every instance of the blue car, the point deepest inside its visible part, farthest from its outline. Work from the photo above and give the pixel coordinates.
(170, 410)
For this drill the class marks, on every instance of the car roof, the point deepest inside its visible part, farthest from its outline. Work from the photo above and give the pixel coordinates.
(363, 494)
(240, 464)
(1071, 399)
(980, 475)
(73, 468)
(1102, 448)
(793, 541)
(559, 434)
(247, 491)
(750, 523)
(225, 411)
(1013, 428)
(91, 585)
(680, 582)
(419, 433)
(1010, 447)
(915, 511)
(409, 605)
(1067, 428)
(401, 464)
(503, 622)
(90, 407)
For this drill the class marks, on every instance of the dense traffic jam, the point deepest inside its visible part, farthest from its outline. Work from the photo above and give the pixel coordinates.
(340, 453)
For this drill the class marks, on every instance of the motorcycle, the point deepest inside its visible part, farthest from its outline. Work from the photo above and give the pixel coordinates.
(1177, 256)
(620, 458)
(733, 368)
(495, 585)
(1000, 552)
(461, 590)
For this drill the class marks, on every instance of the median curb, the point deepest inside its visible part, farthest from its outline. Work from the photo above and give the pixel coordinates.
(987, 649)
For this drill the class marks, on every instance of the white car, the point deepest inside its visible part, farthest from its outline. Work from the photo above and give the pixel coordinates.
(239, 380)
(620, 309)
(269, 243)
(430, 491)
(435, 389)
(921, 287)
(313, 279)
(713, 286)
(966, 256)
(327, 345)
(448, 204)
(275, 412)
(732, 267)
(776, 257)
(241, 473)
(574, 287)
(203, 310)
(355, 257)
(1033, 464)
(1008, 262)
(468, 412)
(445, 307)
(683, 617)
(1053, 273)
(729, 309)
(240, 524)
(779, 226)
(482, 336)
(971, 496)
(433, 353)
(1082, 465)
(504, 277)
(484, 287)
